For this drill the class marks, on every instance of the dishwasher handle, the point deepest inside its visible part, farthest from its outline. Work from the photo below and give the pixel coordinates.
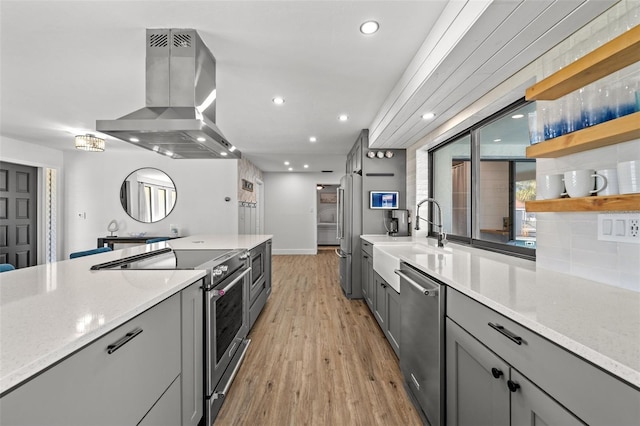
(430, 291)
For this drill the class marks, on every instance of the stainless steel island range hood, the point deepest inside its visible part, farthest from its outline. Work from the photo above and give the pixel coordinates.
(179, 117)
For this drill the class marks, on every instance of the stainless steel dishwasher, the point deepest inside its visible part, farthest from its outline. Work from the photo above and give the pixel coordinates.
(422, 341)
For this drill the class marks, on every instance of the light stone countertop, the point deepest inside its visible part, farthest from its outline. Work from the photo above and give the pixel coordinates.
(598, 322)
(218, 241)
(48, 312)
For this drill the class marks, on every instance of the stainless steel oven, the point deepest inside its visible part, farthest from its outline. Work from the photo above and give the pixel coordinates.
(226, 328)
(226, 294)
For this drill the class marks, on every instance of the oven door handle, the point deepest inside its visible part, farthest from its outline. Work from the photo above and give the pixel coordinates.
(225, 390)
(231, 284)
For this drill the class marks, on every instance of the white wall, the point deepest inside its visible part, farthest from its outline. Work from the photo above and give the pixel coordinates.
(18, 152)
(93, 187)
(566, 242)
(290, 210)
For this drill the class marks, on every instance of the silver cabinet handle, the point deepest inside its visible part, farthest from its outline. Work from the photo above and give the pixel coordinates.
(431, 292)
(123, 340)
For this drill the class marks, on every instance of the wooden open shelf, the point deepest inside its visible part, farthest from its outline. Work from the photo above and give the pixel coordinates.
(618, 53)
(622, 202)
(608, 133)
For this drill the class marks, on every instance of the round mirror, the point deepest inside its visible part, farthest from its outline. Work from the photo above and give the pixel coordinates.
(148, 195)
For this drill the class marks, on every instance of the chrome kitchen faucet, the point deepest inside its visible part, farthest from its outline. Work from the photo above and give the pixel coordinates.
(442, 236)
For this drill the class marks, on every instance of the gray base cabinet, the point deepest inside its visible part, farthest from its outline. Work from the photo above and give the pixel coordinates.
(192, 386)
(546, 383)
(165, 412)
(386, 310)
(95, 387)
(367, 274)
(479, 393)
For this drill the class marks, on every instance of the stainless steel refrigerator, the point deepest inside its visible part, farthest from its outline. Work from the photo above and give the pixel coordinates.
(349, 231)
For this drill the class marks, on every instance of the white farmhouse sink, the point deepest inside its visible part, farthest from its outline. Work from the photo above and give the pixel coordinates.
(386, 259)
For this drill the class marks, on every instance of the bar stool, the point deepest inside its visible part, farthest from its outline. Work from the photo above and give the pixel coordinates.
(4, 267)
(89, 252)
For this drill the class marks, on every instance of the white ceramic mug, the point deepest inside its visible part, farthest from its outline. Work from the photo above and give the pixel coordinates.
(629, 177)
(550, 186)
(580, 183)
(612, 181)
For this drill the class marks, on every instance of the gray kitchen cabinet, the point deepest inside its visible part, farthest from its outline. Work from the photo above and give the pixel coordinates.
(379, 300)
(268, 267)
(115, 380)
(387, 310)
(192, 376)
(166, 411)
(367, 274)
(553, 385)
(531, 406)
(392, 329)
(477, 392)
(482, 389)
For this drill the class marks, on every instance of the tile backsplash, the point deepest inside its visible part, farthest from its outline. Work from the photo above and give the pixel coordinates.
(568, 242)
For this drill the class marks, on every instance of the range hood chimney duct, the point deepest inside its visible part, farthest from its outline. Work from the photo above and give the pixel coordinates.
(180, 113)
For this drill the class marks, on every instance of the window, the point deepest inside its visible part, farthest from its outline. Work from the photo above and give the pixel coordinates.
(482, 179)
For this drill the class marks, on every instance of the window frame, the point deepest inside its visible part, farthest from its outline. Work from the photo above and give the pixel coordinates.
(474, 133)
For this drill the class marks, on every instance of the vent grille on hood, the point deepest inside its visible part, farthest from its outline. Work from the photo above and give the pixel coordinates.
(180, 112)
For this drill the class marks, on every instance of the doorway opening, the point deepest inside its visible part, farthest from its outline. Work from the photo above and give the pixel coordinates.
(327, 215)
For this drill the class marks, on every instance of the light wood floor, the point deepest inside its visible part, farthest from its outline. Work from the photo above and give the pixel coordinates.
(316, 358)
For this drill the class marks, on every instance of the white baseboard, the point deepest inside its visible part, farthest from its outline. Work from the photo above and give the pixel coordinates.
(294, 251)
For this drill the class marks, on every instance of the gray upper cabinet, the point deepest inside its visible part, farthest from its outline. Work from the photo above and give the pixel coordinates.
(116, 380)
(192, 354)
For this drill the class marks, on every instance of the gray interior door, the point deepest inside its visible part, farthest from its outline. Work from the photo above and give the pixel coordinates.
(18, 197)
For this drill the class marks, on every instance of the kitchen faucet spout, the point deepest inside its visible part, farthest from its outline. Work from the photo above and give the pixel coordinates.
(442, 236)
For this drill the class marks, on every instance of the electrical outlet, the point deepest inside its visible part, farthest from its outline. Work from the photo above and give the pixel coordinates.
(619, 227)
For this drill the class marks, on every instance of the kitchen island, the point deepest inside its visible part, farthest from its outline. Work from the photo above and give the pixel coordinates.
(51, 313)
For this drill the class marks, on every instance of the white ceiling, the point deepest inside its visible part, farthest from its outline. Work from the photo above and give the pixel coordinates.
(65, 64)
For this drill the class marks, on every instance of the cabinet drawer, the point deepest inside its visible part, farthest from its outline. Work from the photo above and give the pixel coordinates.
(593, 395)
(166, 411)
(256, 308)
(367, 247)
(99, 388)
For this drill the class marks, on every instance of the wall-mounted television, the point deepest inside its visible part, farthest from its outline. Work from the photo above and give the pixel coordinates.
(383, 200)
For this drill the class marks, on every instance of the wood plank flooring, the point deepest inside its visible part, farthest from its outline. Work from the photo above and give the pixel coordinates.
(316, 358)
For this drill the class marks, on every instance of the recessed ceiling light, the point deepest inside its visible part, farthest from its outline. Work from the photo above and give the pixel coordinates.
(369, 27)
(428, 116)
(306, 166)
(312, 139)
(201, 139)
(224, 154)
(343, 117)
(134, 140)
(278, 100)
(290, 168)
(517, 116)
(497, 140)
(286, 163)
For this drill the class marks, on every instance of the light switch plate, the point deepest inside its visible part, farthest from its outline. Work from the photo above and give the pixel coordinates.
(619, 227)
